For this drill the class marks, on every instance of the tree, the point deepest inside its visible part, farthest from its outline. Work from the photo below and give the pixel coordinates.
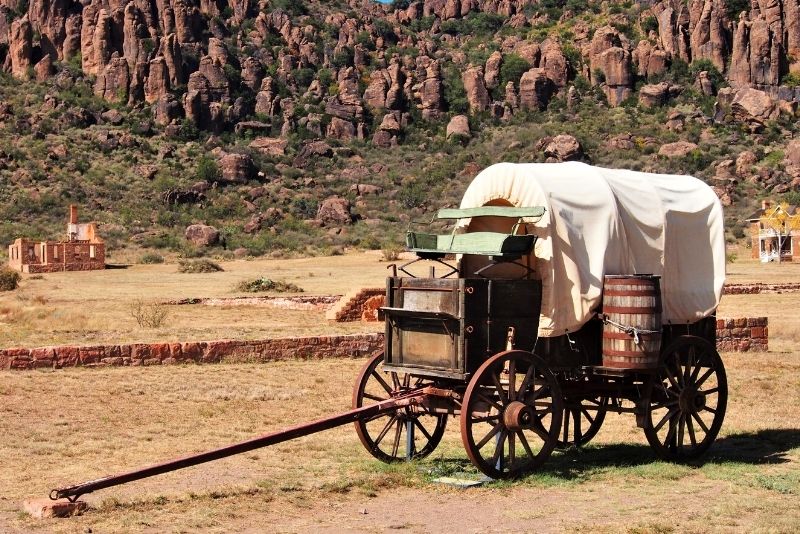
(780, 223)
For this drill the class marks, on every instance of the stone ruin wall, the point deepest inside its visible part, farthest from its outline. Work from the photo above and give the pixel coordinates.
(748, 334)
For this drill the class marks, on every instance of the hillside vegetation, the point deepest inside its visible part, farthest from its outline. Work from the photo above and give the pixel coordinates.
(304, 127)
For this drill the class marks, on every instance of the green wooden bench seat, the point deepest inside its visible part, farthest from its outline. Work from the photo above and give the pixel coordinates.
(483, 243)
(500, 245)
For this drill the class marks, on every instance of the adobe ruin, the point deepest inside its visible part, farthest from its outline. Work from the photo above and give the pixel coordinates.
(83, 250)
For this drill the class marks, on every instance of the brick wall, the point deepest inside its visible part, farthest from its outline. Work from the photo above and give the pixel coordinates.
(229, 351)
(351, 306)
(747, 334)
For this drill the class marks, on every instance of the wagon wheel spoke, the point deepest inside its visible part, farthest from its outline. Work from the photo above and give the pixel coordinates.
(485, 419)
(690, 429)
(700, 421)
(704, 377)
(385, 430)
(376, 398)
(566, 425)
(499, 387)
(490, 401)
(492, 433)
(512, 380)
(666, 418)
(525, 445)
(538, 428)
(498, 448)
(397, 433)
(422, 429)
(526, 382)
(669, 440)
(588, 415)
(407, 381)
(681, 419)
(382, 382)
(709, 391)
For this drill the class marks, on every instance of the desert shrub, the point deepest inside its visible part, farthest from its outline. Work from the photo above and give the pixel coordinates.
(649, 24)
(512, 69)
(791, 80)
(199, 266)
(151, 258)
(267, 284)
(148, 315)
(391, 253)
(9, 279)
(733, 8)
(207, 169)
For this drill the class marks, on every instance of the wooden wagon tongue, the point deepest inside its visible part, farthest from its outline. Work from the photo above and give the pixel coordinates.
(413, 397)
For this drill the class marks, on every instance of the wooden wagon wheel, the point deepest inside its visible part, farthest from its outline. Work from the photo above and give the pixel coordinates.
(511, 414)
(581, 421)
(688, 399)
(386, 436)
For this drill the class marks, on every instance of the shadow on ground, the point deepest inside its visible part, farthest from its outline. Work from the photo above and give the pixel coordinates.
(752, 448)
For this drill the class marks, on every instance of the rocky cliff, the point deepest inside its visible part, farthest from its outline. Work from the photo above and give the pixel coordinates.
(256, 113)
(349, 65)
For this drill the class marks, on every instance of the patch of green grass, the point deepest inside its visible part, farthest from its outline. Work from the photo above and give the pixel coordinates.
(199, 266)
(262, 284)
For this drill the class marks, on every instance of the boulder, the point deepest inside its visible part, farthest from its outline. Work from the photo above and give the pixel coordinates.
(20, 48)
(492, 75)
(458, 127)
(677, 149)
(752, 105)
(335, 211)
(655, 95)
(535, 90)
(431, 92)
(202, 235)
(562, 148)
(475, 87)
(270, 146)
(236, 168)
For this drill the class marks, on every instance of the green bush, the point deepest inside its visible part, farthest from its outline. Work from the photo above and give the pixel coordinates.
(9, 279)
(266, 284)
(151, 258)
(199, 266)
(207, 169)
(512, 69)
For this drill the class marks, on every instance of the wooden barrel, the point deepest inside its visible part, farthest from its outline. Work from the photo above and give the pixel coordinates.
(631, 302)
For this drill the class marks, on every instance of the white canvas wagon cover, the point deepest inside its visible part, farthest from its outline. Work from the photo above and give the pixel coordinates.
(610, 221)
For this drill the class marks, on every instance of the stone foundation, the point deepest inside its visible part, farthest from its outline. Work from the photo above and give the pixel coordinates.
(351, 306)
(223, 351)
(748, 334)
(753, 289)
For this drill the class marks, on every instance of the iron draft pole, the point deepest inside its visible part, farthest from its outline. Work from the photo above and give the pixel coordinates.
(365, 412)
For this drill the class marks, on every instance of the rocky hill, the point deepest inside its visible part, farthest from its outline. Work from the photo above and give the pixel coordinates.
(308, 125)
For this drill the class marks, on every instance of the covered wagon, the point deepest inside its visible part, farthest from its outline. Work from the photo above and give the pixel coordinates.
(563, 292)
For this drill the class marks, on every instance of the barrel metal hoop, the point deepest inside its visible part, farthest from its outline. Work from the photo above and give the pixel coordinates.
(630, 293)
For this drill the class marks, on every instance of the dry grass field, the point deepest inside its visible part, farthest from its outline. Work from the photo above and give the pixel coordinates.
(65, 426)
(94, 307)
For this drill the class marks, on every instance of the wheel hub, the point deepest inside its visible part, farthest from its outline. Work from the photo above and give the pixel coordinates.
(517, 416)
(691, 400)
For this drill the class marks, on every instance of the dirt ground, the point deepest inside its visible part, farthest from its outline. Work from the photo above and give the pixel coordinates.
(65, 426)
